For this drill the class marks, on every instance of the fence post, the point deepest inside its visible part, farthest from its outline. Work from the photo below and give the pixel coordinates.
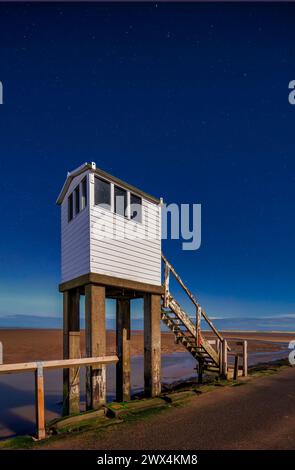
(236, 368)
(245, 358)
(200, 371)
(224, 359)
(220, 356)
(40, 411)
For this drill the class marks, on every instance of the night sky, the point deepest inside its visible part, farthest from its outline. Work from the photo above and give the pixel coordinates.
(188, 102)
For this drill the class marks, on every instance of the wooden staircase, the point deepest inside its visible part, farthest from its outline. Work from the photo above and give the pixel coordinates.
(211, 355)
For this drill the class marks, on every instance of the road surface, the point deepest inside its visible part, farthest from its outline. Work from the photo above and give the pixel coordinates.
(259, 414)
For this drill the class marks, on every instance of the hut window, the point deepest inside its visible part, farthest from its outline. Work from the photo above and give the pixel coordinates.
(70, 207)
(102, 192)
(77, 200)
(84, 194)
(135, 208)
(120, 201)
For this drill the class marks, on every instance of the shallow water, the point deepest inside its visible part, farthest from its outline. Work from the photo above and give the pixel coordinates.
(17, 412)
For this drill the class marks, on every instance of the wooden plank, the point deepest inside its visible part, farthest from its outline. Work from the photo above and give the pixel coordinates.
(57, 364)
(66, 314)
(166, 285)
(74, 374)
(209, 350)
(39, 401)
(103, 280)
(95, 337)
(224, 359)
(236, 367)
(71, 378)
(198, 328)
(220, 357)
(245, 358)
(123, 385)
(152, 345)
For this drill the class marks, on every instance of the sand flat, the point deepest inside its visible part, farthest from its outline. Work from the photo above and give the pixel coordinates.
(21, 345)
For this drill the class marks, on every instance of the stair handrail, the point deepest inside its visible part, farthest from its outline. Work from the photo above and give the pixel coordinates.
(169, 267)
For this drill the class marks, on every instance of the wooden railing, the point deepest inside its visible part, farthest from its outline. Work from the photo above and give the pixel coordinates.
(242, 354)
(199, 311)
(222, 348)
(38, 369)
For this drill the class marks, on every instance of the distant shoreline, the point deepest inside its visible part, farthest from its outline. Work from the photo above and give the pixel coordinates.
(287, 332)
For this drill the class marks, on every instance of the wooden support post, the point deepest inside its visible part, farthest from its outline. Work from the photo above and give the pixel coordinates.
(245, 358)
(236, 367)
(217, 345)
(224, 359)
(95, 332)
(66, 308)
(200, 372)
(40, 408)
(123, 390)
(74, 373)
(152, 345)
(220, 357)
(71, 345)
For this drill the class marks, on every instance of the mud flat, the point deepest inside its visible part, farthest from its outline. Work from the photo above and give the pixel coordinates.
(20, 345)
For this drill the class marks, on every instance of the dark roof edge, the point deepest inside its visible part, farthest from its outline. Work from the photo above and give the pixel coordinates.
(103, 174)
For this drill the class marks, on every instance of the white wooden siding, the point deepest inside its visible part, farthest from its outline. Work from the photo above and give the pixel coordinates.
(91, 244)
(125, 248)
(75, 238)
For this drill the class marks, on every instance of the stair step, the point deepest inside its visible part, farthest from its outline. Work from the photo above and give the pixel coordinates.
(183, 334)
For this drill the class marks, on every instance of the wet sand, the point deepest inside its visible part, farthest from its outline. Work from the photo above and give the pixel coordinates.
(21, 345)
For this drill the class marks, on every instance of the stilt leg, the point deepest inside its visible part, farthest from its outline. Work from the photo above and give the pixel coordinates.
(152, 345)
(123, 350)
(95, 331)
(71, 345)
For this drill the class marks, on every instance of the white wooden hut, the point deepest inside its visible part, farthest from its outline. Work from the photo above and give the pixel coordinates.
(108, 227)
(110, 248)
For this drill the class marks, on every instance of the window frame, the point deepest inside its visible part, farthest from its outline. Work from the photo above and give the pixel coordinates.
(141, 206)
(77, 199)
(107, 206)
(77, 205)
(84, 197)
(70, 207)
(126, 214)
